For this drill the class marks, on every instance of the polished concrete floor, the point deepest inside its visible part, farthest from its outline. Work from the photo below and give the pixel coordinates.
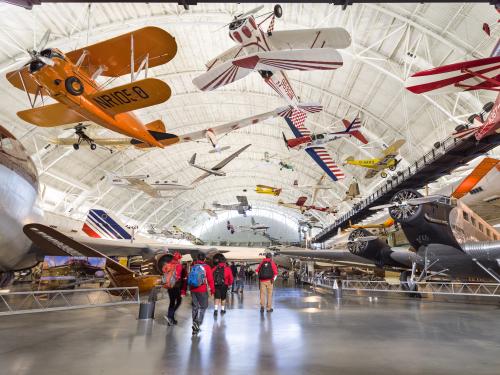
(307, 333)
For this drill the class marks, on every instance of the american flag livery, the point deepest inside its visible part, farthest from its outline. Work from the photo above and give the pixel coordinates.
(99, 224)
(319, 154)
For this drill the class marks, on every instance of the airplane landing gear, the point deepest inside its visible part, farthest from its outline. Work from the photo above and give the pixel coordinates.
(383, 174)
(82, 137)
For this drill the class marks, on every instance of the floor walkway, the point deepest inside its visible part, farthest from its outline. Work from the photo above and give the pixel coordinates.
(306, 334)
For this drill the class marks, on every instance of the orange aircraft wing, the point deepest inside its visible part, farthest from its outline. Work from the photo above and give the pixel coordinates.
(51, 115)
(114, 54)
(132, 96)
(474, 177)
(18, 77)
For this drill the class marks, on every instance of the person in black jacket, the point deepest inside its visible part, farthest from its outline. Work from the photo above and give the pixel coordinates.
(234, 270)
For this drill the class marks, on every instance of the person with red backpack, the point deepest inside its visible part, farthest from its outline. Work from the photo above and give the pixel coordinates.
(172, 280)
(267, 271)
(223, 278)
(200, 278)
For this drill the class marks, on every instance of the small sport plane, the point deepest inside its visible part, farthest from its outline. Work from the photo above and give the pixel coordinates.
(386, 161)
(70, 79)
(480, 74)
(351, 130)
(242, 206)
(213, 135)
(272, 52)
(208, 211)
(302, 207)
(147, 185)
(264, 189)
(255, 227)
(319, 154)
(216, 170)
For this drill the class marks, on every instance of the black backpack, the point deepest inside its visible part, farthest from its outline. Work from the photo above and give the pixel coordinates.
(266, 271)
(219, 276)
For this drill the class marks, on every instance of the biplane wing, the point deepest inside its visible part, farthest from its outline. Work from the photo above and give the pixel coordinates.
(51, 115)
(243, 200)
(372, 172)
(112, 142)
(238, 68)
(462, 76)
(335, 37)
(114, 54)
(23, 80)
(230, 126)
(132, 96)
(393, 149)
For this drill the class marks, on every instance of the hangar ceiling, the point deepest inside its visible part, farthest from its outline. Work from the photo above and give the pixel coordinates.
(390, 42)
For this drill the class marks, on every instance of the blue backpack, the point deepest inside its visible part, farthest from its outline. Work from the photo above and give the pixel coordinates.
(197, 276)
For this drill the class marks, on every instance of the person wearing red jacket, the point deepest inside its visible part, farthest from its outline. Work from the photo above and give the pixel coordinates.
(223, 278)
(267, 272)
(199, 293)
(178, 289)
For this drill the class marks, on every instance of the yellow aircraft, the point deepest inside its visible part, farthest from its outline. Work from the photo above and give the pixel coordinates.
(386, 224)
(386, 161)
(264, 189)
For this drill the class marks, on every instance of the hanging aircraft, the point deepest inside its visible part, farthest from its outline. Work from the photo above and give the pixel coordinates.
(216, 170)
(352, 192)
(271, 53)
(70, 79)
(480, 74)
(282, 163)
(264, 189)
(302, 207)
(386, 161)
(213, 135)
(255, 227)
(319, 154)
(351, 130)
(242, 206)
(208, 211)
(144, 183)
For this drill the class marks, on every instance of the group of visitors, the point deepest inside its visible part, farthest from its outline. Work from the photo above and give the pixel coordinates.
(203, 279)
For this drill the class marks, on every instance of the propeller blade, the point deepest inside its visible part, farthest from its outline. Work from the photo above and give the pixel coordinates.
(250, 12)
(382, 206)
(43, 41)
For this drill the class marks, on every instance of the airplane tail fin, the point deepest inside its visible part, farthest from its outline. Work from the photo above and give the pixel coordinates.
(193, 159)
(101, 224)
(353, 127)
(302, 107)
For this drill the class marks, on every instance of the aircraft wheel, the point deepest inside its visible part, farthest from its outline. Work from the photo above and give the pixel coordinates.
(392, 167)
(406, 281)
(93, 146)
(383, 175)
(471, 118)
(74, 86)
(437, 145)
(76, 146)
(278, 11)
(459, 128)
(488, 106)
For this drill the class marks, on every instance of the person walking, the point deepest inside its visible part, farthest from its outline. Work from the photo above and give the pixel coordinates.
(174, 280)
(267, 271)
(240, 279)
(200, 279)
(234, 270)
(223, 278)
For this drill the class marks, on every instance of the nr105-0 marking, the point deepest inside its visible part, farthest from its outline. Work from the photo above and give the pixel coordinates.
(120, 97)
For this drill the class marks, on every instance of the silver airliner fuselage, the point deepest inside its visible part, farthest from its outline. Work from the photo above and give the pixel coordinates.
(18, 203)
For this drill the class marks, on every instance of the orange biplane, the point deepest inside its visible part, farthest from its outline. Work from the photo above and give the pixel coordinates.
(70, 79)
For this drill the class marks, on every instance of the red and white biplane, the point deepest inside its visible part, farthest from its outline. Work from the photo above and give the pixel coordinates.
(271, 52)
(480, 74)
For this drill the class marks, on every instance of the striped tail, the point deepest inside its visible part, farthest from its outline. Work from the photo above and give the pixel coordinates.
(304, 108)
(100, 224)
(353, 128)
